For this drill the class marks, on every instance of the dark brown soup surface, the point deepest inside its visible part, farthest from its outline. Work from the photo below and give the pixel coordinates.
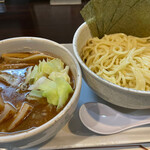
(39, 111)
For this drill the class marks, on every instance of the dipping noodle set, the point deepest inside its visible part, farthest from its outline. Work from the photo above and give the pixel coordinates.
(39, 88)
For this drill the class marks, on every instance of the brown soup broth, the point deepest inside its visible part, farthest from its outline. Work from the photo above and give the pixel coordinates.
(41, 112)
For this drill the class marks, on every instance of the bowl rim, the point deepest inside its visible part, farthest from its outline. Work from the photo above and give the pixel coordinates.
(94, 75)
(18, 136)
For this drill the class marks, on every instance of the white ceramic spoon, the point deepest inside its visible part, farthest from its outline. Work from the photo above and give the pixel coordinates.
(103, 119)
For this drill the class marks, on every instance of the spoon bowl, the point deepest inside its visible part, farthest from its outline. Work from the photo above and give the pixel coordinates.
(103, 119)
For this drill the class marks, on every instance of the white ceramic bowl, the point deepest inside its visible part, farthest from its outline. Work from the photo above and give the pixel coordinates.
(125, 97)
(49, 129)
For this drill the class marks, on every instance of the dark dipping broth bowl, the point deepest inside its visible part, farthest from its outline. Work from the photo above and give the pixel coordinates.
(115, 94)
(48, 130)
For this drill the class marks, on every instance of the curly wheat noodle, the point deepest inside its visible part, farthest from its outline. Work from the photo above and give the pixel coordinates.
(120, 59)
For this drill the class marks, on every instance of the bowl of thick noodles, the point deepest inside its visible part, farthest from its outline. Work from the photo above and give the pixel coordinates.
(116, 66)
(40, 82)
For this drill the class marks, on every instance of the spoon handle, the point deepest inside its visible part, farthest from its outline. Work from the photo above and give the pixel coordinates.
(138, 123)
